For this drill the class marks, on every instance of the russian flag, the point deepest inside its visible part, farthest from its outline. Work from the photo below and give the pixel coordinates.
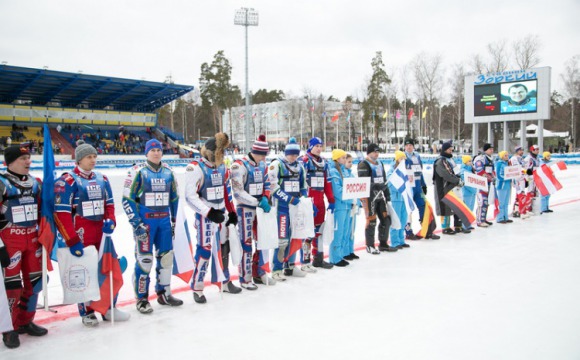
(545, 180)
(183, 264)
(264, 260)
(459, 208)
(295, 245)
(5, 320)
(217, 266)
(108, 263)
(47, 228)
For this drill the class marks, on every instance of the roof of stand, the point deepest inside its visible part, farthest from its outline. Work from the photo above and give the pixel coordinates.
(42, 86)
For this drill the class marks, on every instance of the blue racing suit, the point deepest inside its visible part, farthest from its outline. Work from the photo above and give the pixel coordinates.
(414, 167)
(483, 166)
(398, 202)
(340, 246)
(150, 197)
(503, 190)
(287, 185)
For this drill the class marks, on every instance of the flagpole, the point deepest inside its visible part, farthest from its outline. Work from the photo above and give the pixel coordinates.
(348, 124)
(337, 122)
(112, 297)
(324, 121)
(277, 135)
(45, 278)
(301, 121)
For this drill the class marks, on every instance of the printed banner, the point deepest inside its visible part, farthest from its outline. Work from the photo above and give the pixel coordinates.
(512, 172)
(356, 188)
(476, 181)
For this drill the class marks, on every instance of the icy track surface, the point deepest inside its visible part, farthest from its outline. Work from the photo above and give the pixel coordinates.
(506, 292)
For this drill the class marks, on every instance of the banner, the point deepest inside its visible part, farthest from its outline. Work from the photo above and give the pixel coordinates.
(356, 188)
(5, 319)
(545, 180)
(512, 172)
(79, 275)
(476, 181)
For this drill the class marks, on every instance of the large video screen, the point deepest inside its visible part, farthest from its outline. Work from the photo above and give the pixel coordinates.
(505, 98)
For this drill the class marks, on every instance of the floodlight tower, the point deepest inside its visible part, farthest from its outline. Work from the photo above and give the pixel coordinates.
(246, 17)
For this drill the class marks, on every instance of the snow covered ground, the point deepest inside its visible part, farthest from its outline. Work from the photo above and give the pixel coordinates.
(506, 292)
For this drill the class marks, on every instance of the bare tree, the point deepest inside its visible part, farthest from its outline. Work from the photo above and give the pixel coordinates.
(526, 51)
(428, 76)
(498, 55)
(571, 79)
(457, 83)
(406, 92)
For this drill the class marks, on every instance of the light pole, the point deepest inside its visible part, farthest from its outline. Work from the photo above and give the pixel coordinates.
(246, 17)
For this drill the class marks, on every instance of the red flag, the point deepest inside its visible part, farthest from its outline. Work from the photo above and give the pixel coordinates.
(335, 117)
(295, 245)
(459, 208)
(561, 165)
(108, 262)
(265, 260)
(545, 180)
(411, 112)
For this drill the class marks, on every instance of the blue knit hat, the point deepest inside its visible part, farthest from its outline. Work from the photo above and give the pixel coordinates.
(292, 148)
(313, 142)
(152, 144)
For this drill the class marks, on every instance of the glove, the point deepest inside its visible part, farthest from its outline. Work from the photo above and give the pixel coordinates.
(294, 200)
(77, 249)
(461, 183)
(314, 209)
(141, 233)
(264, 204)
(530, 172)
(232, 219)
(330, 207)
(493, 182)
(4, 258)
(424, 189)
(173, 229)
(108, 226)
(216, 216)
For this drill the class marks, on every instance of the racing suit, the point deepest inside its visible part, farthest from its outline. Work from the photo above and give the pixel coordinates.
(19, 215)
(150, 197)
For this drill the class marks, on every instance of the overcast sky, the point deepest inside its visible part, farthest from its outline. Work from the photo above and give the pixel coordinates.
(322, 45)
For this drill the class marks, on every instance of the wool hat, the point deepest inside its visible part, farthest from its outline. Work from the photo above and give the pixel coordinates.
(446, 146)
(153, 144)
(372, 148)
(83, 149)
(260, 146)
(518, 148)
(337, 154)
(409, 142)
(502, 154)
(546, 154)
(487, 146)
(313, 142)
(12, 153)
(292, 148)
(534, 147)
(465, 159)
(399, 155)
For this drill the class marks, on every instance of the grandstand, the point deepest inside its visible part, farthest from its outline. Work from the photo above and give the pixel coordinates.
(116, 115)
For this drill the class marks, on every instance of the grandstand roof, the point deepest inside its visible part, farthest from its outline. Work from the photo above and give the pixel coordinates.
(43, 87)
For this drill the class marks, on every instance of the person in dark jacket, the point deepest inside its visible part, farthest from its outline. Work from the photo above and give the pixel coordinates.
(444, 180)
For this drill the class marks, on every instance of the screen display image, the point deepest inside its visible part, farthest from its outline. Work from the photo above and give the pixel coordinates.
(505, 98)
(519, 97)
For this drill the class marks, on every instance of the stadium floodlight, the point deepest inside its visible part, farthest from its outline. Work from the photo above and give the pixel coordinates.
(246, 17)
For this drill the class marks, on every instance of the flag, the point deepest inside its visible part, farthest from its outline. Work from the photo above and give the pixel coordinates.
(275, 115)
(400, 181)
(386, 114)
(411, 112)
(545, 180)
(424, 115)
(217, 266)
(295, 245)
(459, 208)
(47, 228)
(428, 225)
(108, 262)
(335, 117)
(5, 319)
(560, 165)
(348, 117)
(323, 114)
(183, 255)
(242, 115)
(398, 115)
(254, 115)
(264, 260)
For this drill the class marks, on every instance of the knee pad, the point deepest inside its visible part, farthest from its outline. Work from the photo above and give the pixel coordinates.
(166, 259)
(145, 262)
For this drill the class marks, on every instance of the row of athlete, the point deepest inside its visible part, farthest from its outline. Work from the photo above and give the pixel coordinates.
(524, 186)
